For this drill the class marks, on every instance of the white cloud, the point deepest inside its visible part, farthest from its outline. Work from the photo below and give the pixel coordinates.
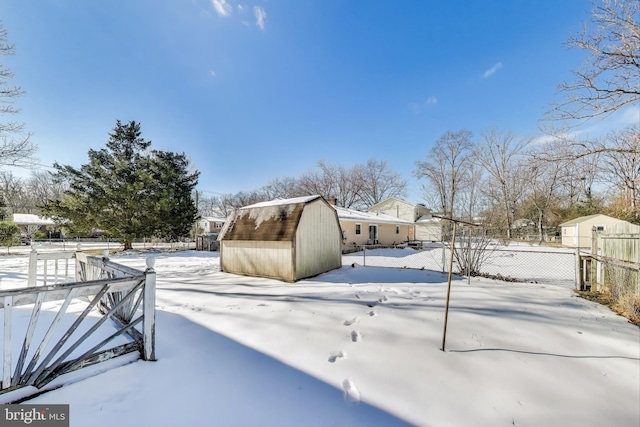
(241, 8)
(261, 16)
(631, 116)
(492, 70)
(222, 7)
(212, 73)
(432, 100)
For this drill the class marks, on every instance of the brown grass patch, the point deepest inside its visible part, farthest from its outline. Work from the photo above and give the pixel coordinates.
(628, 305)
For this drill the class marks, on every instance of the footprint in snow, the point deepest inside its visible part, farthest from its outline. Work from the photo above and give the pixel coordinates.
(351, 393)
(372, 313)
(351, 321)
(336, 355)
(355, 336)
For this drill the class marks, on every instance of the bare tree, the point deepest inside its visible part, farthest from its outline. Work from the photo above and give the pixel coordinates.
(544, 190)
(334, 181)
(446, 167)
(15, 193)
(623, 171)
(501, 154)
(283, 188)
(609, 79)
(15, 147)
(379, 182)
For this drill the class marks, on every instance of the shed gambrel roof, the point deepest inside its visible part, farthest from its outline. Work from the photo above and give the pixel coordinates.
(275, 221)
(585, 218)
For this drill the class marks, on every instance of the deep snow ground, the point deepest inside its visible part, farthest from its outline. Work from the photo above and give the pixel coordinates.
(361, 346)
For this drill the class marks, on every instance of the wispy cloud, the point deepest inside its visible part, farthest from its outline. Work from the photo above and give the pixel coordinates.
(417, 107)
(491, 71)
(261, 16)
(212, 73)
(222, 7)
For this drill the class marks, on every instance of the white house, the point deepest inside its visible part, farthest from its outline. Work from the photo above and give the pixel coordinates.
(361, 228)
(210, 224)
(426, 227)
(286, 239)
(35, 222)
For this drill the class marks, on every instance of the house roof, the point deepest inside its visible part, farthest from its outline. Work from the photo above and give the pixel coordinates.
(583, 219)
(275, 220)
(31, 219)
(213, 219)
(394, 199)
(354, 215)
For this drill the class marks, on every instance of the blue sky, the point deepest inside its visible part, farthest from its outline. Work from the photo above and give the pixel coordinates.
(254, 90)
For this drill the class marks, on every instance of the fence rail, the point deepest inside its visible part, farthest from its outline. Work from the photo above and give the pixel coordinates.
(513, 263)
(43, 351)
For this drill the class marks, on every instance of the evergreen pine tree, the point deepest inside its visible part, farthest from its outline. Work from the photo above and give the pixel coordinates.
(128, 190)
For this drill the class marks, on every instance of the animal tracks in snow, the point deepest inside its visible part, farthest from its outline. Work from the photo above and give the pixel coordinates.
(336, 355)
(350, 322)
(351, 393)
(355, 336)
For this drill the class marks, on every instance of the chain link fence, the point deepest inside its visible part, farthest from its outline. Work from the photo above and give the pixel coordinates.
(513, 262)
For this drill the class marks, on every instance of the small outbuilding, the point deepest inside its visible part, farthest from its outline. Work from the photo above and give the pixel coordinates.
(577, 233)
(286, 239)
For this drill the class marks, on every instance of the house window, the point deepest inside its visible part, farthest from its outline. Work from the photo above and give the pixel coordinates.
(397, 229)
(600, 228)
(219, 224)
(358, 229)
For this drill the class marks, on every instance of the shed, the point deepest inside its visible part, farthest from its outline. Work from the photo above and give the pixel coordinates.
(286, 239)
(576, 233)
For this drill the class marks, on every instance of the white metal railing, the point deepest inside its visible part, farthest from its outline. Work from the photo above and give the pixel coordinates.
(122, 294)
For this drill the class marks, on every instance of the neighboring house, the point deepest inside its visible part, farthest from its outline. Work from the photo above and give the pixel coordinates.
(211, 225)
(578, 231)
(367, 228)
(427, 228)
(30, 223)
(286, 239)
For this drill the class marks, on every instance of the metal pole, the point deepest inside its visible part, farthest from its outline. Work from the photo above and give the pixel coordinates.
(469, 258)
(446, 310)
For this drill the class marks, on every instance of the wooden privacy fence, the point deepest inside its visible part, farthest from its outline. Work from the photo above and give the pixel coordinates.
(45, 350)
(613, 264)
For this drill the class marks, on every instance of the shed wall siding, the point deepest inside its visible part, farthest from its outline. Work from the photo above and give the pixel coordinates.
(258, 258)
(317, 241)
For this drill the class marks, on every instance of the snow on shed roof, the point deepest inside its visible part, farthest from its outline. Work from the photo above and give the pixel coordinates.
(274, 220)
(278, 202)
(31, 219)
(354, 215)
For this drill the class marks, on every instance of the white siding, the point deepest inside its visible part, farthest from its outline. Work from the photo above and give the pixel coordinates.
(318, 241)
(429, 232)
(257, 258)
(397, 209)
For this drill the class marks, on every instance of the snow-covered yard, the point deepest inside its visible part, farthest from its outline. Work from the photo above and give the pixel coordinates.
(361, 347)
